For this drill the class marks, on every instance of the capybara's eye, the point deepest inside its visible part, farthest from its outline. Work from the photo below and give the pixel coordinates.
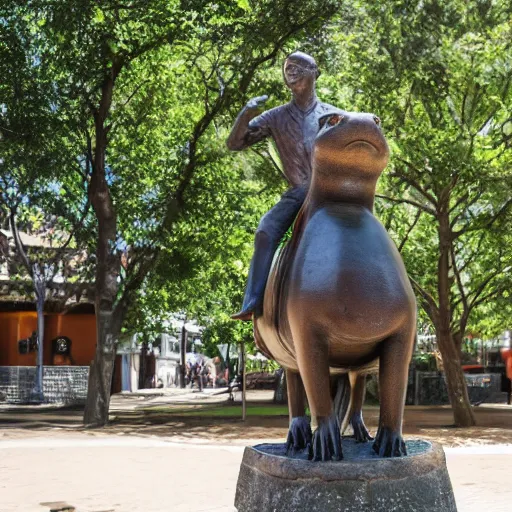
(335, 119)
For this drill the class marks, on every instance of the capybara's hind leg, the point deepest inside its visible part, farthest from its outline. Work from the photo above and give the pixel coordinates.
(312, 358)
(395, 355)
(355, 415)
(299, 434)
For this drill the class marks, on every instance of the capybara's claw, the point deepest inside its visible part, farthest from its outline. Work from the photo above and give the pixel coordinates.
(361, 433)
(389, 443)
(299, 435)
(327, 440)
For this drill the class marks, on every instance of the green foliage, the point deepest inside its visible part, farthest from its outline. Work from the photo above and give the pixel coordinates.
(425, 362)
(39, 191)
(204, 252)
(152, 87)
(411, 66)
(439, 76)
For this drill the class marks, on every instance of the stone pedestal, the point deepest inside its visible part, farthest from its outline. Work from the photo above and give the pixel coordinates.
(362, 482)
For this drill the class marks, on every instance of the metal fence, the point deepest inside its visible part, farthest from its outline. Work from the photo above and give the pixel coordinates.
(61, 384)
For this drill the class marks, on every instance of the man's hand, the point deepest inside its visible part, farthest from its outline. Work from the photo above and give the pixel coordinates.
(258, 102)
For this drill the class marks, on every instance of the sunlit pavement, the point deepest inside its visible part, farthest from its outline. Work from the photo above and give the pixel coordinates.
(127, 474)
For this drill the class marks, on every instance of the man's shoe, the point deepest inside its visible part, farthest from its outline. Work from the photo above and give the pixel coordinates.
(245, 316)
(249, 309)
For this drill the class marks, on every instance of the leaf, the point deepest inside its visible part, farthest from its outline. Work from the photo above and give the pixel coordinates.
(99, 16)
(244, 4)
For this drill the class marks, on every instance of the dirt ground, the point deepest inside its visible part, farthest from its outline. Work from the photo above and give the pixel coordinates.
(155, 416)
(494, 426)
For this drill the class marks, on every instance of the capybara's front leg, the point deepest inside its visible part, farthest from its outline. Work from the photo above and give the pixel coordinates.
(312, 358)
(395, 356)
(299, 434)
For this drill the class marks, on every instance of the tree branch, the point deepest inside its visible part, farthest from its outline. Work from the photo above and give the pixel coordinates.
(429, 303)
(481, 288)
(490, 295)
(472, 227)
(421, 207)
(60, 251)
(464, 199)
(17, 242)
(460, 286)
(412, 182)
(409, 230)
(469, 259)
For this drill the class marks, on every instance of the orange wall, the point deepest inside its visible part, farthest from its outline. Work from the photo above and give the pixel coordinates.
(13, 327)
(81, 329)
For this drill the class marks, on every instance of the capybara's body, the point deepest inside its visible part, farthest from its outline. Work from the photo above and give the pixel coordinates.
(346, 280)
(338, 298)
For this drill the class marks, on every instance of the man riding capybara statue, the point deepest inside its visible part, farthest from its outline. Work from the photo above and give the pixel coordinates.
(337, 303)
(293, 128)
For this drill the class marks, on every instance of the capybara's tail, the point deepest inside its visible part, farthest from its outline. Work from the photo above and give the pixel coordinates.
(343, 393)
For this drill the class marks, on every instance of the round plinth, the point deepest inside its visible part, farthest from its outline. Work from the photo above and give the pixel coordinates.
(362, 482)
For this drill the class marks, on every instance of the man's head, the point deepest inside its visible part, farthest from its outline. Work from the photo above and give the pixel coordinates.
(300, 72)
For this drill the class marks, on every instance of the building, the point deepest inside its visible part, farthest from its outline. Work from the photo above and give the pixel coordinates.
(69, 331)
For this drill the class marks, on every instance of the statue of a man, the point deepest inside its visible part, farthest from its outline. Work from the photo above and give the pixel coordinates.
(293, 127)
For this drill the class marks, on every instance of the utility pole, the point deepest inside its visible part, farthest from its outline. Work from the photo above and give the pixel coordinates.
(183, 353)
(242, 369)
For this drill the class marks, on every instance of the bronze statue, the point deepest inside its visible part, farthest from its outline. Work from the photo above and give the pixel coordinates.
(293, 127)
(338, 298)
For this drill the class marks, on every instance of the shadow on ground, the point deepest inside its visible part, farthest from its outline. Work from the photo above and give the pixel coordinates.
(221, 423)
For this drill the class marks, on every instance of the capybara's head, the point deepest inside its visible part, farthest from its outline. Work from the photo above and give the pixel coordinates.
(350, 142)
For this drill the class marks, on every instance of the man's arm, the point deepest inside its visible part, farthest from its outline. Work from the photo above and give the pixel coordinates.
(249, 128)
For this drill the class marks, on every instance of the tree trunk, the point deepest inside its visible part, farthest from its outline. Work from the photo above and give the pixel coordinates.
(450, 350)
(108, 323)
(38, 276)
(455, 381)
(281, 390)
(107, 332)
(40, 288)
(100, 372)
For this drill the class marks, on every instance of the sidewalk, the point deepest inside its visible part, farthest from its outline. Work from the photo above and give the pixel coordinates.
(133, 474)
(169, 452)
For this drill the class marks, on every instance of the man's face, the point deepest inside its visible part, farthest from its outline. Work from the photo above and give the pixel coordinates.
(299, 76)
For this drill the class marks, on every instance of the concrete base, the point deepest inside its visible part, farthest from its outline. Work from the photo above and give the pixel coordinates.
(362, 482)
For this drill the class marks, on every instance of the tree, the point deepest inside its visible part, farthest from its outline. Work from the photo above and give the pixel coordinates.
(440, 76)
(31, 162)
(105, 64)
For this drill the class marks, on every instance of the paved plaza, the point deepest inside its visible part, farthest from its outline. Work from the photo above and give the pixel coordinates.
(151, 459)
(135, 474)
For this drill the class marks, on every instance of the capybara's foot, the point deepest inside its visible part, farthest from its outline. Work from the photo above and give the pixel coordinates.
(326, 440)
(299, 435)
(361, 433)
(389, 443)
